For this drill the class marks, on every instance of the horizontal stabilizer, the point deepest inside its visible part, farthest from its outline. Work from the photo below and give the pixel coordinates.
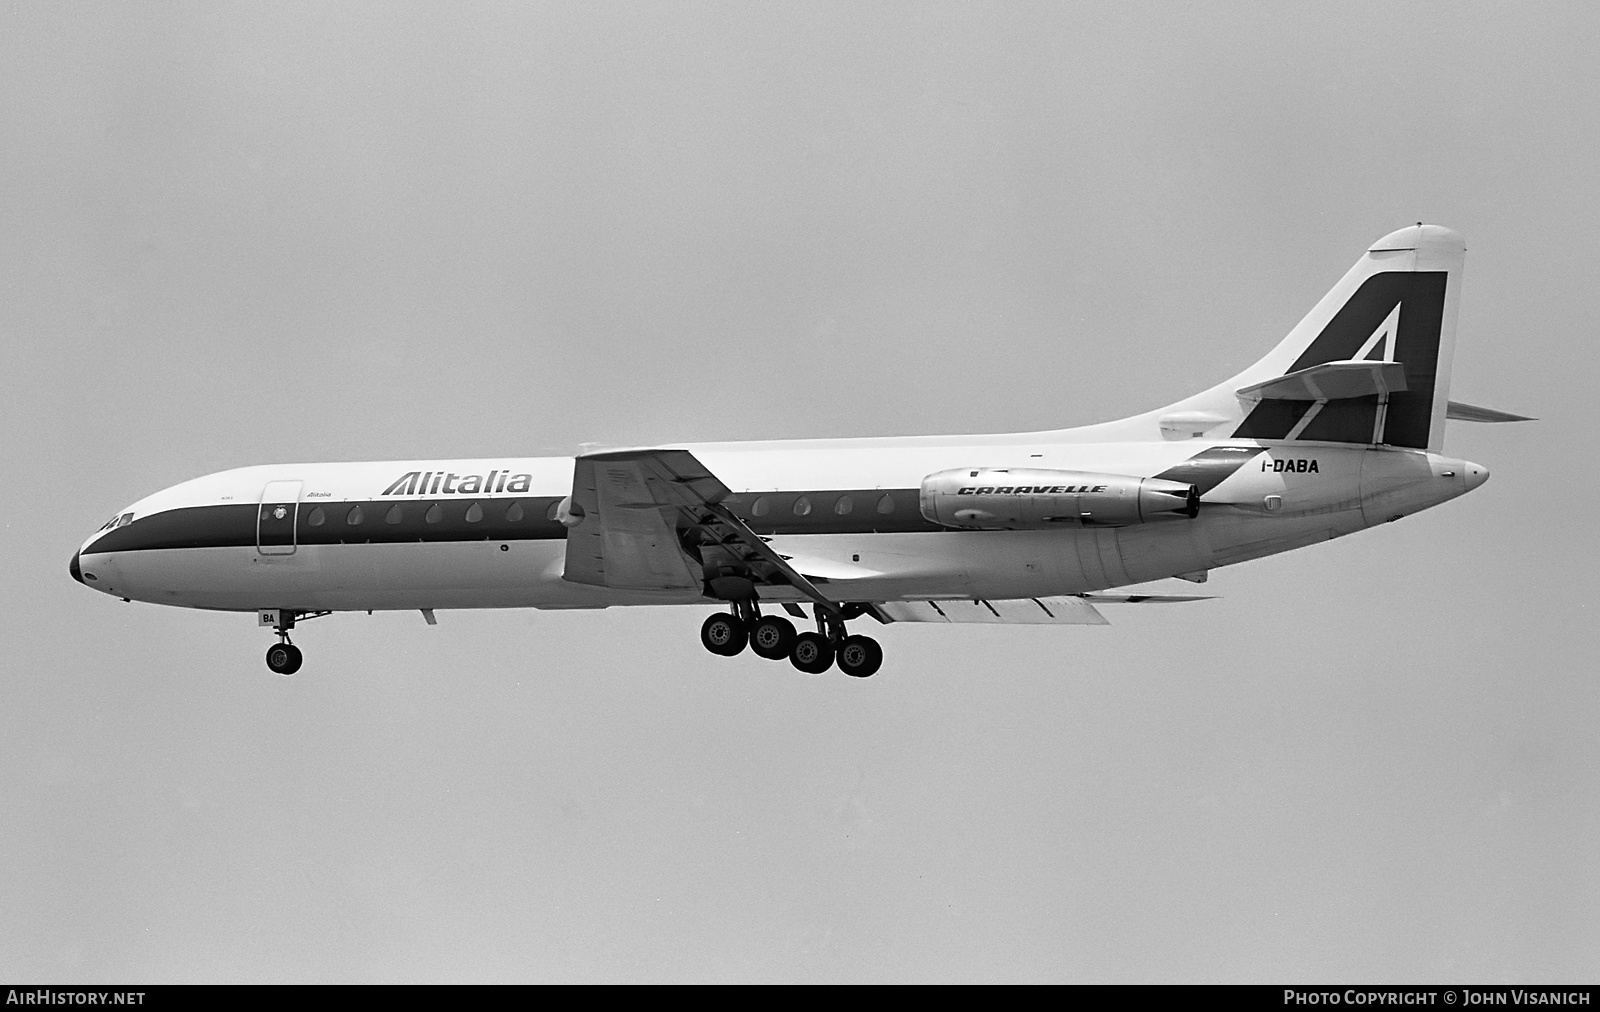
(1331, 381)
(1472, 413)
(1026, 611)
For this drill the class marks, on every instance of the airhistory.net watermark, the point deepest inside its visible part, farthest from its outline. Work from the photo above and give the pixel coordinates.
(44, 996)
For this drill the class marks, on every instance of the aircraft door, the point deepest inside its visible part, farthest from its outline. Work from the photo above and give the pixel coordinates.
(275, 520)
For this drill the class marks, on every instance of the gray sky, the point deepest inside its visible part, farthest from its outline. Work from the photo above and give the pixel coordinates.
(237, 234)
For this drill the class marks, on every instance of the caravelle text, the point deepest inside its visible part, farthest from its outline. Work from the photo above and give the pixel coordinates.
(1028, 489)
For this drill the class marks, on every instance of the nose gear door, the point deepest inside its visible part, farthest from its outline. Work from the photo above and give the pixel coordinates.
(275, 520)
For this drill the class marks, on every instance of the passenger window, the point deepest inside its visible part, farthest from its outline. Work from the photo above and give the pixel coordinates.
(844, 505)
(354, 517)
(316, 517)
(394, 515)
(434, 514)
(802, 506)
(886, 504)
(474, 513)
(514, 514)
(761, 507)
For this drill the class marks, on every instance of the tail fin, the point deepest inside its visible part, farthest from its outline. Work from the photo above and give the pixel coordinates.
(1396, 305)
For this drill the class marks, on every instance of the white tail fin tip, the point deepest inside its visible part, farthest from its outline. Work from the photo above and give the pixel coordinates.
(1420, 237)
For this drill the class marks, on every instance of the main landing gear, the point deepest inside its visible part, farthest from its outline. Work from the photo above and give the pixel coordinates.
(774, 638)
(283, 657)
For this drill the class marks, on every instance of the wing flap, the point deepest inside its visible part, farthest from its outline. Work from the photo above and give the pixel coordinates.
(1078, 609)
(1025, 611)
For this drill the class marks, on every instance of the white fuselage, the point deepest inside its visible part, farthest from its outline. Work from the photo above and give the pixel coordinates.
(1340, 426)
(844, 512)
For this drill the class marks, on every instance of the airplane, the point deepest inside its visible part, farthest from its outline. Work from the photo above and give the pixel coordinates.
(1339, 427)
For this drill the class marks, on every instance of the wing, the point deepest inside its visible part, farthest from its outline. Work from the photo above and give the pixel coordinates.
(626, 507)
(1076, 610)
(1026, 611)
(654, 520)
(1136, 598)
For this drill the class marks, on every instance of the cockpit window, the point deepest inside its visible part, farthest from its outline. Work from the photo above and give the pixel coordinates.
(120, 520)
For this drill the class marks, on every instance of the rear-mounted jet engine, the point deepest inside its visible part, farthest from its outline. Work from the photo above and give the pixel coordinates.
(1035, 499)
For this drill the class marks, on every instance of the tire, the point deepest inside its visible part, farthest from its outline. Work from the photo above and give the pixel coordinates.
(284, 658)
(724, 635)
(811, 653)
(860, 656)
(772, 637)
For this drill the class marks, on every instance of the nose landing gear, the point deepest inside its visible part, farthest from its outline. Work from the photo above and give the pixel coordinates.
(283, 657)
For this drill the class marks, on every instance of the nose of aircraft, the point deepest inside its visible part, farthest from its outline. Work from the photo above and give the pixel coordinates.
(1476, 474)
(75, 569)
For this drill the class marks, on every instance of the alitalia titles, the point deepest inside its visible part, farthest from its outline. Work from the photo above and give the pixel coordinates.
(450, 483)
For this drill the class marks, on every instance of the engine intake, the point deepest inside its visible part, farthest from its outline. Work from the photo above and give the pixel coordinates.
(1013, 499)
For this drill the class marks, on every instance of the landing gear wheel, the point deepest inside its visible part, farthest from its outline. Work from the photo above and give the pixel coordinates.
(724, 635)
(772, 637)
(860, 656)
(811, 653)
(284, 658)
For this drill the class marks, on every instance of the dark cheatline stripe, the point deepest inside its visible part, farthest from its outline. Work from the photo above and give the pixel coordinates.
(234, 525)
(192, 527)
(1210, 468)
(1416, 347)
(860, 515)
